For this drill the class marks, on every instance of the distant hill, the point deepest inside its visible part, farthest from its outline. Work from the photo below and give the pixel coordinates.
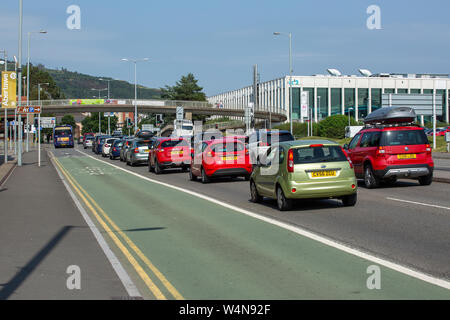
(76, 85)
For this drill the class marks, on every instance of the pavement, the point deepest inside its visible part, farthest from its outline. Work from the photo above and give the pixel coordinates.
(43, 234)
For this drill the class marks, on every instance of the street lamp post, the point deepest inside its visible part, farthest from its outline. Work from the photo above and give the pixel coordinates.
(99, 114)
(28, 78)
(290, 75)
(109, 125)
(135, 61)
(39, 122)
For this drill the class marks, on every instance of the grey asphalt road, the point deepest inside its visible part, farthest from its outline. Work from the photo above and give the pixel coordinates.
(382, 223)
(42, 233)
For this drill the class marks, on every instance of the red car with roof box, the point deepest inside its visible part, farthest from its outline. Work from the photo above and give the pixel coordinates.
(169, 153)
(391, 147)
(224, 157)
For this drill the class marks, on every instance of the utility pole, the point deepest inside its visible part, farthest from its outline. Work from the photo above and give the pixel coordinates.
(19, 158)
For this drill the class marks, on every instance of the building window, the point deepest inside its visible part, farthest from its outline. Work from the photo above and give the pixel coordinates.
(427, 91)
(295, 103)
(440, 94)
(414, 91)
(336, 99)
(389, 90)
(322, 109)
(349, 98)
(376, 99)
(402, 91)
(363, 102)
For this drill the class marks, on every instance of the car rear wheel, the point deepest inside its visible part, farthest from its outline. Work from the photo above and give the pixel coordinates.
(426, 180)
(350, 201)
(205, 178)
(256, 198)
(370, 180)
(283, 203)
(192, 177)
(158, 169)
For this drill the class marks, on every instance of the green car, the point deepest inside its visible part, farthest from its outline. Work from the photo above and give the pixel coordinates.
(304, 169)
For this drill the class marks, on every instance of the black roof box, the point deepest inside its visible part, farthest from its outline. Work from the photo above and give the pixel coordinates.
(391, 115)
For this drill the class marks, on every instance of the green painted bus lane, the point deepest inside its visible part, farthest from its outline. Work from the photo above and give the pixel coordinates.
(208, 251)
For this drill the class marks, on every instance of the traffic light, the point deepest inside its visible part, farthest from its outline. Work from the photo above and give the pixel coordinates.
(159, 119)
(129, 123)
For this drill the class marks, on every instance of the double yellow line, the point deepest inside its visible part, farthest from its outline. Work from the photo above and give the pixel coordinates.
(95, 209)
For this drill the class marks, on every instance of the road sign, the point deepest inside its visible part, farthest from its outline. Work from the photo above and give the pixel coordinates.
(148, 127)
(48, 122)
(180, 113)
(108, 114)
(29, 109)
(447, 136)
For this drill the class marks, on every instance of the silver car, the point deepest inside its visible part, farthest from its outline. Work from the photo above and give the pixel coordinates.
(138, 152)
(88, 141)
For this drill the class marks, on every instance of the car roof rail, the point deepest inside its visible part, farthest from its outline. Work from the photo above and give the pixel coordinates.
(390, 125)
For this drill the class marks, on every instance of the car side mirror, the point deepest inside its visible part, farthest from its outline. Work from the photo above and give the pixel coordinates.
(345, 146)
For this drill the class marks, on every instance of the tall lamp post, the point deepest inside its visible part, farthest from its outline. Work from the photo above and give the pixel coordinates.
(290, 73)
(135, 61)
(39, 122)
(5, 137)
(28, 78)
(109, 125)
(99, 114)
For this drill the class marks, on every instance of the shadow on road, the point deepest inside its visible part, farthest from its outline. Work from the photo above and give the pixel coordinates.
(9, 288)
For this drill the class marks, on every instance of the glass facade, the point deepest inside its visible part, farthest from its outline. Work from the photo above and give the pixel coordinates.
(322, 110)
(349, 99)
(389, 90)
(402, 91)
(414, 91)
(427, 91)
(336, 101)
(363, 102)
(376, 99)
(440, 94)
(295, 103)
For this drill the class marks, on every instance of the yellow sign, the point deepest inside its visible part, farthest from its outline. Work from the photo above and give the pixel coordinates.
(9, 97)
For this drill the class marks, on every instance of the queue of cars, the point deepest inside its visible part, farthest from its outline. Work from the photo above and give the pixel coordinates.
(277, 166)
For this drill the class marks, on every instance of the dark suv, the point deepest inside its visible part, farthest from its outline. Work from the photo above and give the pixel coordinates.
(387, 152)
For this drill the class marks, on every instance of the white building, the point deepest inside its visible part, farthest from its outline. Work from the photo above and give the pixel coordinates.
(330, 95)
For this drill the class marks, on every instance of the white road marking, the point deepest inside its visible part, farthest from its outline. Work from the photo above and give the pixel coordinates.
(332, 243)
(129, 285)
(419, 203)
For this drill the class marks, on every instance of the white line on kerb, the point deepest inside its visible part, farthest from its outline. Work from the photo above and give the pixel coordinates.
(419, 203)
(388, 264)
(117, 266)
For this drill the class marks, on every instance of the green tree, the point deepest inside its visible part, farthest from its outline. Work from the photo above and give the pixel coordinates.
(90, 123)
(186, 89)
(334, 126)
(48, 92)
(68, 119)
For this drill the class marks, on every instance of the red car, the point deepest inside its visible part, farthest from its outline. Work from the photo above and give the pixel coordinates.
(220, 157)
(169, 153)
(388, 152)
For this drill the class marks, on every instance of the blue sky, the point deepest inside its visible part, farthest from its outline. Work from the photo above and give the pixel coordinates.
(219, 41)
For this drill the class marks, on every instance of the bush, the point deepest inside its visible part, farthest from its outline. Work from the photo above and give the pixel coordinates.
(334, 126)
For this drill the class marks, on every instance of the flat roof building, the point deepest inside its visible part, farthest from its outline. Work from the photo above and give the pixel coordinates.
(330, 95)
